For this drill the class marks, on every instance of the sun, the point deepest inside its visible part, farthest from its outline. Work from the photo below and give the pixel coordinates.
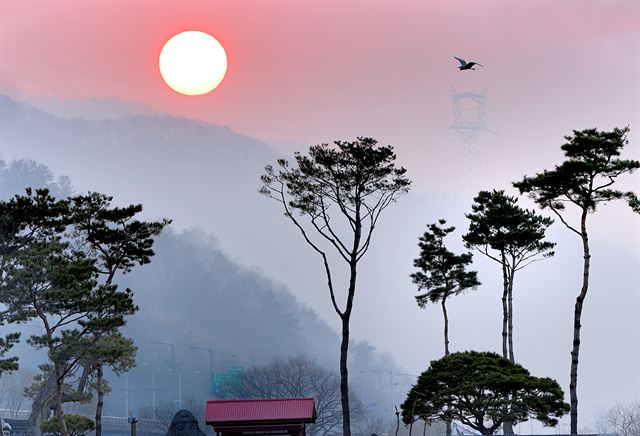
(193, 63)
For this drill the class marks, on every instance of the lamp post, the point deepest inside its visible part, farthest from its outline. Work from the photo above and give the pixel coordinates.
(173, 364)
(378, 371)
(154, 389)
(153, 395)
(210, 350)
(180, 391)
(173, 356)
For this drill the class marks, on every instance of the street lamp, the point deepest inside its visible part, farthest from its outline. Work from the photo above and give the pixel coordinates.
(173, 356)
(378, 371)
(210, 350)
(173, 366)
(154, 389)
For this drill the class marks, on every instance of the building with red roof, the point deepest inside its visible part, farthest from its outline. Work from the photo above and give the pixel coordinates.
(274, 416)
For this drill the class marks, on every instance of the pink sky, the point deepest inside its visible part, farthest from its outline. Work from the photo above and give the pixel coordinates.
(316, 71)
(309, 72)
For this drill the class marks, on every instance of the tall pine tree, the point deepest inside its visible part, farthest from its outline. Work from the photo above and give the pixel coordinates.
(511, 236)
(584, 181)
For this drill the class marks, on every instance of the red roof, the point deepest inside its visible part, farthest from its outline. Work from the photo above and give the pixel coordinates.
(273, 410)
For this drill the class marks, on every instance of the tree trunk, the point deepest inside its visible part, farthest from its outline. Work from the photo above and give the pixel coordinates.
(397, 420)
(446, 326)
(507, 327)
(507, 427)
(62, 424)
(40, 406)
(346, 317)
(446, 350)
(510, 324)
(344, 377)
(505, 310)
(573, 384)
(100, 403)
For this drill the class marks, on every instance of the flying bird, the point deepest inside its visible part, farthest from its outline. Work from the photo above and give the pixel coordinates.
(467, 66)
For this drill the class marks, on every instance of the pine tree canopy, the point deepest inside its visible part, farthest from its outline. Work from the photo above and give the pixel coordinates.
(483, 390)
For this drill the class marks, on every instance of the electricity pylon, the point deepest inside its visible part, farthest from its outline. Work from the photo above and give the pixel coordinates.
(468, 121)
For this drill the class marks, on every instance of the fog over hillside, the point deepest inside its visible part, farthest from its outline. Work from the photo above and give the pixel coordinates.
(247, 256)
(193, 294)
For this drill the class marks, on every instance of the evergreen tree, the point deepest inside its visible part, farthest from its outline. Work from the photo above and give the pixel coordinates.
(584, 180)
(54, 284)
(351, 185)
(514, 238)
(476, 389)
(58, 263)
(11, 363)
(79, 425)
(117, 241)
(23, 219)
(441, 273)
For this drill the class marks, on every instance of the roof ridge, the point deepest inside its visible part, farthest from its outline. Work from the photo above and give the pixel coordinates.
(246, 400)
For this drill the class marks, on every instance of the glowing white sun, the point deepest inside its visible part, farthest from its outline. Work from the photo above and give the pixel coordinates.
(193, 63)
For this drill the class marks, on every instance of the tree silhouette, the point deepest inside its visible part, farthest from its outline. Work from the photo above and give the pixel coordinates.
(475, 388)
(54, 284)
(441, 273)
(58, 260)
(23, 219)
(585, 180)
(511, 236)
(117, 241)
(350, 184)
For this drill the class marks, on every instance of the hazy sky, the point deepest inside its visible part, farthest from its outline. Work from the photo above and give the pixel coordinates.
(308, 72)
(315, 71)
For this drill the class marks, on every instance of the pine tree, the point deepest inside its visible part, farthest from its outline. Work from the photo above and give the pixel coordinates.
(514, 238)
(441, 273)
(584, 180)
(334, 188)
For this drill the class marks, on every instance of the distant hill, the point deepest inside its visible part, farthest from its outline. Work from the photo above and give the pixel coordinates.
(88, 108)
(195, 172)
(193, 294)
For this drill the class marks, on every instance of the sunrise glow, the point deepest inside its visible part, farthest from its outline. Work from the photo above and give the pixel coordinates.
(193, 63)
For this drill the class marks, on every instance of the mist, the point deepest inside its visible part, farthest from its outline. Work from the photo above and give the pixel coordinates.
(231, 274)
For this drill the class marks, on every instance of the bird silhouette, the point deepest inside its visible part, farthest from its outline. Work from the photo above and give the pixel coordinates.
(467, 66)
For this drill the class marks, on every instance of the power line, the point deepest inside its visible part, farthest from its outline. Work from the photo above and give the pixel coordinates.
(163, 89)
(219, 96)
(103, 104)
